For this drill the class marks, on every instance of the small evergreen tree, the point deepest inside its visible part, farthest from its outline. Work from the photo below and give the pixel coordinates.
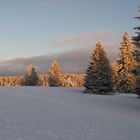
(31, 78)
(54, 74)
(136, 41)
(98, 77)
(126, 62)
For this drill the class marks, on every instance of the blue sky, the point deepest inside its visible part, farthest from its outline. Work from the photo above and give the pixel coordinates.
(32, 27)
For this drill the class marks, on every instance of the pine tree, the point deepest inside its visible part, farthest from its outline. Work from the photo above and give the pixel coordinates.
(98, 79)
(31, 78)
(126, 62)
(54, 73)
(136, 41)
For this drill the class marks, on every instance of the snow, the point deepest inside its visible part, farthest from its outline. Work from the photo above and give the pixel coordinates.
(37, 113)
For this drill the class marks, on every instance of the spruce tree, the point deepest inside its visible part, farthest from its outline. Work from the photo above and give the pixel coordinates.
(126, 62)
(98, 79)
(136, 41)
(54, 74)
(31, 77)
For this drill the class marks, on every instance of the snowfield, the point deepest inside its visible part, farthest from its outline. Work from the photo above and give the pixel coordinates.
(36, 113)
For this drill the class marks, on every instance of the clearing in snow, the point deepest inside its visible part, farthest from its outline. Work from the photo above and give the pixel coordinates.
(36, 113)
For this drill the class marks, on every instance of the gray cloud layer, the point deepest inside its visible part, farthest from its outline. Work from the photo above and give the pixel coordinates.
(72, 61)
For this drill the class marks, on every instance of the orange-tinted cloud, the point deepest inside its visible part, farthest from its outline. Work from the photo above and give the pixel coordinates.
(74, 39)
(82, 38)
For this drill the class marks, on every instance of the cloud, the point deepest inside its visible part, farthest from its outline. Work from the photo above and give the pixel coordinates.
(74, 61)
(74, 39)
(88, 37)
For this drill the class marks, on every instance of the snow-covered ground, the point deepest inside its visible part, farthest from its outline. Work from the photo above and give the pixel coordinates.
(35, 113)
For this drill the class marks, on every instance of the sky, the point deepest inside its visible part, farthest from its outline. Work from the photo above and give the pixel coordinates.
(51, 28)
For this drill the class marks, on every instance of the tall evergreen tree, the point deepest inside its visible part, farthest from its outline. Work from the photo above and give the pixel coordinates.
(98, 77)
(136, 41)
(31, 77)
(54, 73)
(126, 62)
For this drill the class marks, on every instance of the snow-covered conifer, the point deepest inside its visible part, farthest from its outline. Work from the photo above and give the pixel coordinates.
(136, 41)
(31, 77)
(126, 63)
(98, 79)
(54, 73)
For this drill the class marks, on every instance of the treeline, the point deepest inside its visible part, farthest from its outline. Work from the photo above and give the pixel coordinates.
(69, 80)
(44, 80)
